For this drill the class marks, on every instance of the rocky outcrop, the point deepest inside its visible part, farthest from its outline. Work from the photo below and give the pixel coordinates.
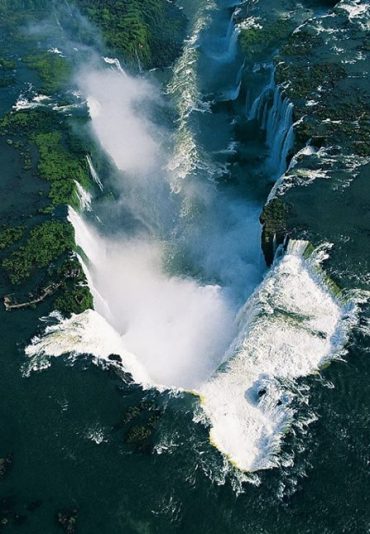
(322, 69)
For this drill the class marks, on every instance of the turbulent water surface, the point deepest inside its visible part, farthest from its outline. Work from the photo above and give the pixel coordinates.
(223, 359)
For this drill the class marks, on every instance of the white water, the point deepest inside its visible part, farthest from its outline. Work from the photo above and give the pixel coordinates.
(287, 329)
(184, 90)
(274, 113)
(87, 333)
(94, 173)
(187, 325)
(173, 330)
(84, 197)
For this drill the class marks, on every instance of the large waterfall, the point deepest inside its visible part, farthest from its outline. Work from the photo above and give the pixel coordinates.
(175, 265)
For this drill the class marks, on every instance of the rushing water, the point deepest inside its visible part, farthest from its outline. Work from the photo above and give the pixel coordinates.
(182, 295)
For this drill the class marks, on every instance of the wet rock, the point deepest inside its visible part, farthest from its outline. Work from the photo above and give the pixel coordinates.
(142, 419)
(8, 514)
(131, 414)
(5, 465)
(139, 437)
(67, 519)
(115, 358)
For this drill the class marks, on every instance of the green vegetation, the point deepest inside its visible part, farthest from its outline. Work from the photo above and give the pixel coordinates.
(53, 70)
(45, 244)
(61, 156)
(26, 122)
(149, 31)
(60, 167)
(6, 64)
(9, 235)
(306, 79)
(257, 42)
(301, 43)
(75, 296)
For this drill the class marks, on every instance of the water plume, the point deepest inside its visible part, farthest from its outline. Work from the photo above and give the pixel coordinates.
(116, 102)
(171, 284)
(171, 288)
(177, 328)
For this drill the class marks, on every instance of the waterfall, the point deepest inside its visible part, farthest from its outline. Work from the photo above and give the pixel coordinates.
(232, 43)
(289, 328)
(261, 100)
(274, 113)
(84, 197)
(178, 328)
(87, 242)
(227, 46)
(93, 173)
(279, 132)
(233, 92)
(115, 63)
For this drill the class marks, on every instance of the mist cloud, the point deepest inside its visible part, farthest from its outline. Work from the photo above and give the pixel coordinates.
(116, 102)
(173, 287)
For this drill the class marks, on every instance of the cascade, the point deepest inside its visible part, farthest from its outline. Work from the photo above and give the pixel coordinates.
(116, 64)
(229, 44)
(87, 242)
(274, 113)
(284, 330)
(93, 173)
(233, 92)
(287, 329)
(260, 101)
(279, 132)
(84, 197)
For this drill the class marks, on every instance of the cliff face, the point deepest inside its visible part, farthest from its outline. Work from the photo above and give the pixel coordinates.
(323, 69)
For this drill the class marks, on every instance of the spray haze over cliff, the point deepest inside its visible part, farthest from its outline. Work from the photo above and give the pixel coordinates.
(174, 261)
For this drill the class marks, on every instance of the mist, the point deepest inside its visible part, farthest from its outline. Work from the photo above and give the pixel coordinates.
(116, 102)
(172, 285)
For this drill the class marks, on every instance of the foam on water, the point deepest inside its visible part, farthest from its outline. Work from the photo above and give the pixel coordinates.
(292, 324)
(287, 329)
(26, 103)
(184, 89)
(173, 331)
(86, 333)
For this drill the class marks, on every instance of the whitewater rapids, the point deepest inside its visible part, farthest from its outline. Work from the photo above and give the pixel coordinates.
(289, 327)
(175, 332)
